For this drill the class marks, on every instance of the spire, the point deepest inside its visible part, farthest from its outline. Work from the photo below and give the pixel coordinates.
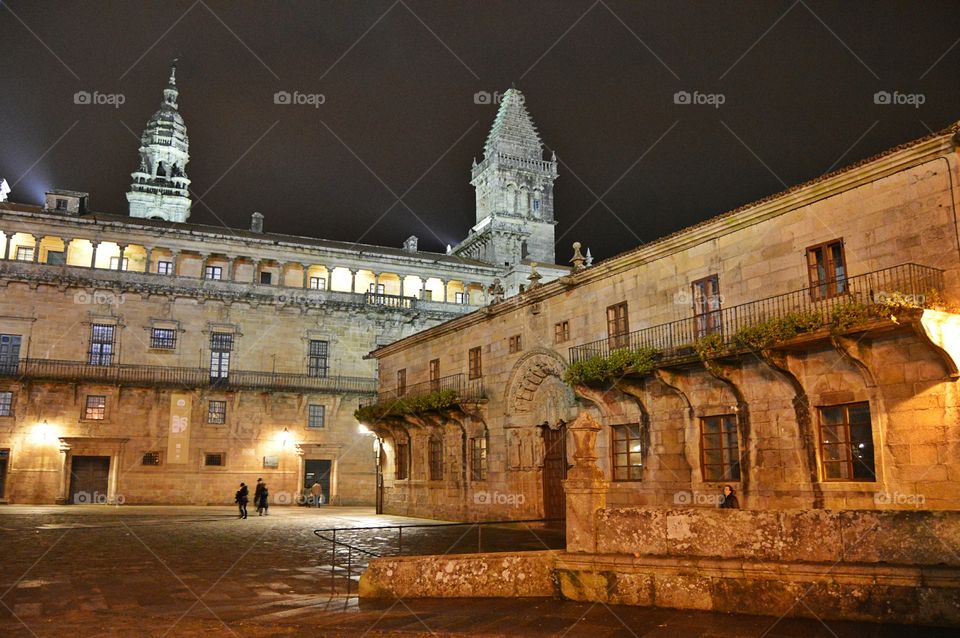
(171, 93)
(513, 132)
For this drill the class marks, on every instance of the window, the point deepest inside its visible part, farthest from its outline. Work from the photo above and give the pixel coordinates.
(318, 283)
(266, 277)
(377, 289)
(706, 305)
(436, 458)
(515, 344)
(434, 375)
(24, 253)
(403, 460)
(163, 338)
(561, 332)
(827, 268)
(101, 344)
(478, 458)
(476, 370)
(316, 415)
(150, 458)
(213, 459)
(317, 358)
(115, 261)
(627, 453)
(56, 257)
(460, 297)
(221, 343)
(9, 353)
(213, 272)
(617, 325)
(6, 403)
(401, 382)
(427, 295)
(719, 449)
(216, 412)
(164, 267)
(846, 443)
(95, 408)
(61, 204)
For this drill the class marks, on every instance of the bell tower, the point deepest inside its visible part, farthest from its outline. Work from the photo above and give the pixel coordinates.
(160, 188)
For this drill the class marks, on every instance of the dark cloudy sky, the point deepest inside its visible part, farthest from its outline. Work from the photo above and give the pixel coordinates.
(797, 81)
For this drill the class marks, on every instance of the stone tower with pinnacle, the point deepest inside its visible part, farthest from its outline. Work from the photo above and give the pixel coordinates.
(514, 189)
(160, 188)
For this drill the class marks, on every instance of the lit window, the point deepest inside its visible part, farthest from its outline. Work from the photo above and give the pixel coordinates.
(217, 412)
(6, 403)
(460, 297)
(24, 253)
(213, 272)
(115, 261)
(478, 458)
(163, 338)
(164, 267)
(317, 358)
(95, 408)
(318, 283)
(316, 415)
(627, 453)
(101, 344)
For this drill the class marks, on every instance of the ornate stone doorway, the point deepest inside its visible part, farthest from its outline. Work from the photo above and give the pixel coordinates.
(90, 477)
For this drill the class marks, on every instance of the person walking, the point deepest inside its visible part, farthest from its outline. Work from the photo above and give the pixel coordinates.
(241, 498)
(260, 498)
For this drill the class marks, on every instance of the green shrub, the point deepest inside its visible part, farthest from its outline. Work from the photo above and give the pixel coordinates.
(710, 346)
(848, 315)
(407, 405)
(598, 370)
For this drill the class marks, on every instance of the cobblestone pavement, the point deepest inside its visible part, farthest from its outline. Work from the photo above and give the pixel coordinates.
(188, 571)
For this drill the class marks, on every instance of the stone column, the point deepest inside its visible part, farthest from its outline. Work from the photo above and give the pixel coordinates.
(353, 279)
(36, 248)
(256, 272)
(585, 487)
(174, 262)
(232, 268)
(6, 246)
(306, 275)
(147, 258)
(282, 275)
(123, 248)
(66, 248)
(445, 283)
(93, 253)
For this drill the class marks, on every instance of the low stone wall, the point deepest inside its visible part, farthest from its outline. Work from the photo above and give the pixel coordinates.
(492, 575)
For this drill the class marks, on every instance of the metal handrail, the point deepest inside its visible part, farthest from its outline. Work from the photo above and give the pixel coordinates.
(677, 336)
(466, 389)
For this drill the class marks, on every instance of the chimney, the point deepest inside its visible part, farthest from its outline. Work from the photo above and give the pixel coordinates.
(256, 223)
(410, 245)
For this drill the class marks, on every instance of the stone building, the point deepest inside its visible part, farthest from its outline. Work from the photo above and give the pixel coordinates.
(146, 359)
(802, 349)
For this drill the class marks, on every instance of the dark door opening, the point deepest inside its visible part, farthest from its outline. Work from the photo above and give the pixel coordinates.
(4, 460)
(554, 472)
(317, 472)
(88, 479)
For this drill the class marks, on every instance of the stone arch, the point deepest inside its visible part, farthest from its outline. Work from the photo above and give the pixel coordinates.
(528, 374)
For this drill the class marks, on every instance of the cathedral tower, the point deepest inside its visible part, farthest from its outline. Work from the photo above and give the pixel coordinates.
(514, 187)
(160, 186)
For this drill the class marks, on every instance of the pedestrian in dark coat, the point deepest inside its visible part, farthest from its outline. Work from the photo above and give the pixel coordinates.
(241, 498)
(729, 500)
(260, 495)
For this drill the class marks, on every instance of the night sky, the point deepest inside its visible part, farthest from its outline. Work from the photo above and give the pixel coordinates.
(797, 79)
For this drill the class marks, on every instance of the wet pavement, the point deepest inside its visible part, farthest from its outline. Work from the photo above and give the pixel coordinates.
(188, 571)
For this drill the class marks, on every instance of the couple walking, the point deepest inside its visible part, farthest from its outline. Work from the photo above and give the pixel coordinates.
(260, 495)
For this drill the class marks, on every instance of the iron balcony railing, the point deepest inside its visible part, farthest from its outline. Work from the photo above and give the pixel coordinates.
(677, 337)
(466, 389)
(148, 375)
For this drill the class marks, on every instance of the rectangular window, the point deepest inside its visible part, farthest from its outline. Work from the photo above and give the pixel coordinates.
(401, 382)
(427, 295)
(378, 289)
(213, 272)
(213, 459)
(61, 204)
(434, 375)
(475, 366)
(6, 403)
(150, 458)
(719, 448)
(95, 408)
(163, 338)
(846, 443)
(101, 344)
(618, 325)
(436, 458)
(403, 460)
(561, 332)
(827, 268)
(316, 415)
(115, 261)
(221, 343)
(478, 458)
(706, 305)
(216, 412)
(627, 453)
(164, 267)
(318, 283)
(515, 344)
(56, 257)
(24, 253)
(317, 354)
(460, 297)
(266, 277)
(9, 353)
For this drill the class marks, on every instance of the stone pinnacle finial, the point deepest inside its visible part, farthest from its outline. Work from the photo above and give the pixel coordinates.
(589, 258)
(578, 259)
(534, 277)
